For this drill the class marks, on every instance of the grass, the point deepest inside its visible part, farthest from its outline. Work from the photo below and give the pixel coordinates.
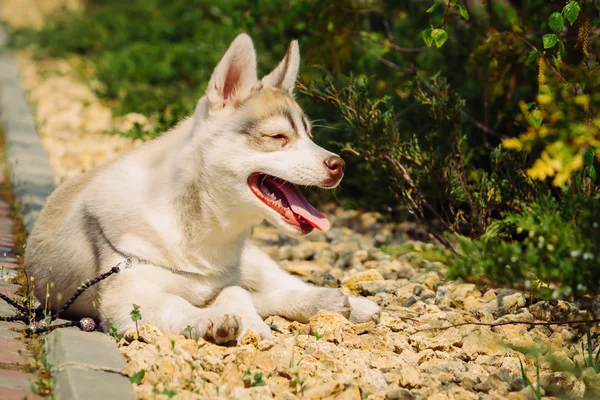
(536, 388)
(153, 57)
(591, 356)
(42, 369)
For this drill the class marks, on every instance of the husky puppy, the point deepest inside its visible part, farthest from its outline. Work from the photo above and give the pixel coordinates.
(180, 208)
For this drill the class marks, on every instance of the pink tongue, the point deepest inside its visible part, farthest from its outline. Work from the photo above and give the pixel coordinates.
(302, 207)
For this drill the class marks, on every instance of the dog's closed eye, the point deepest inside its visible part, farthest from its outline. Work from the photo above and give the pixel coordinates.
(281, 137)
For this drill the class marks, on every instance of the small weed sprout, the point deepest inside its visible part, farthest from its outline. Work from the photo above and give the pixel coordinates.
(137, 377)
(317, 335)
(113, 331)
(297, 382)
(537, 389)
(135, 317)
(188, 331)
(172, 344)
(169, 393)
(257, 379)
(591, 359)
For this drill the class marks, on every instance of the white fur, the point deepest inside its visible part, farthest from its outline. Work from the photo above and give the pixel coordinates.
(183, 202)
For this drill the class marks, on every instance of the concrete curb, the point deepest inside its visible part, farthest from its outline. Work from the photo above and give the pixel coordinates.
(87, 365)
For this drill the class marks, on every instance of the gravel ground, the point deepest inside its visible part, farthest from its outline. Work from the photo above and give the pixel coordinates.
(75, 128)
(403, 357)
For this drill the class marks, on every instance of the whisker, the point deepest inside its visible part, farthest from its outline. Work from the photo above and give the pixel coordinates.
(327, 127)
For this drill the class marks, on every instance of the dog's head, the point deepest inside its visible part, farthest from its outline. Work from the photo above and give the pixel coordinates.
(256, 144)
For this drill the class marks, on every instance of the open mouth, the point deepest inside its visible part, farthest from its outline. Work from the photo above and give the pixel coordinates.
(285, 198)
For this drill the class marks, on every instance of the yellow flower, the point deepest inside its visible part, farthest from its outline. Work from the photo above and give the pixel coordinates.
(576, 163)
(583, 100)
(541, 170)
(512, 144)
(544, 98)
(561, 178)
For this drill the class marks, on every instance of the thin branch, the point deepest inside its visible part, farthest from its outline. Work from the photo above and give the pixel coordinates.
(448, 7)
(515, 35)
(461, 171)
(394, 65)
(395, 47)
(494, 325)
(480, 126)
(548, 63)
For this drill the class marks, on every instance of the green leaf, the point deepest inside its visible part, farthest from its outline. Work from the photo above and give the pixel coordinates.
(592, 173)
(597, 4)
(439, 36)
(578, 181)
(427, 36)
(530, 104)
(588, 156)
(532, 56)
(536, 118)
(135, 313)
(571, 11)
(137, 377)
(432, 8)
(549, 40)
(463, 11)
(556, 22)
(561, 50)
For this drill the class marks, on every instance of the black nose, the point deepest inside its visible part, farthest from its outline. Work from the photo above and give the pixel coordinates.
(335, 166)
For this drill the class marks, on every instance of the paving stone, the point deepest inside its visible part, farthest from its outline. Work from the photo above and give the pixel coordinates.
(13, 351)
(6, 329)
(9, 265)
(5, 221)
(73, 383)
(68, 347)
(5, 228)
(9, 289)
(18, 394)
(8, 274)
(14, 379)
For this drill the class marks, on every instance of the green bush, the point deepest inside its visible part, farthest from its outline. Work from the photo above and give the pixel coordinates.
(477, 118)
(549, 248)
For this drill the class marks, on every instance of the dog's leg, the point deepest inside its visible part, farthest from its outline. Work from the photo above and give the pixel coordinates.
(227, 318)
(275, 292)
(237, 301)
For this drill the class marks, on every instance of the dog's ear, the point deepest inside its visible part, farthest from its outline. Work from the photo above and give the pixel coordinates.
(234, 76)
(284, 76)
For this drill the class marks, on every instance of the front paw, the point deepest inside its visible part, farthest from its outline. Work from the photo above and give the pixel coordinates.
(364, 310)
(221, 328)
(333, 300)
(258, 326)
